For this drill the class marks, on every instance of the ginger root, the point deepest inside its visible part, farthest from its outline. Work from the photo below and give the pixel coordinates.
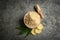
(37, 30)
(38, 10)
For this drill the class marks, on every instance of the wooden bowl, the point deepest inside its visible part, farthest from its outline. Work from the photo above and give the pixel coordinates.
(32, 19)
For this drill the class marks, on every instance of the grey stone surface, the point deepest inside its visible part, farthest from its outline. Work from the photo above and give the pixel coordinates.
(13, 10)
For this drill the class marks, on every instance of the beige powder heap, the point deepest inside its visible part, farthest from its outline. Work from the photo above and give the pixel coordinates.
(32, 19)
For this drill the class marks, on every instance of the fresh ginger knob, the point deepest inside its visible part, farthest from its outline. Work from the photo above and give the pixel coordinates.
(38, 10)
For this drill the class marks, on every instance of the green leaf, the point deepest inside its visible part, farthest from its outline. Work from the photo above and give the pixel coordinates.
(22, 33)
(28, 33)
(23, 30)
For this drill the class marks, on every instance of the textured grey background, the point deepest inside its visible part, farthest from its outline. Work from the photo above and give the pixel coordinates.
(12, 10)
